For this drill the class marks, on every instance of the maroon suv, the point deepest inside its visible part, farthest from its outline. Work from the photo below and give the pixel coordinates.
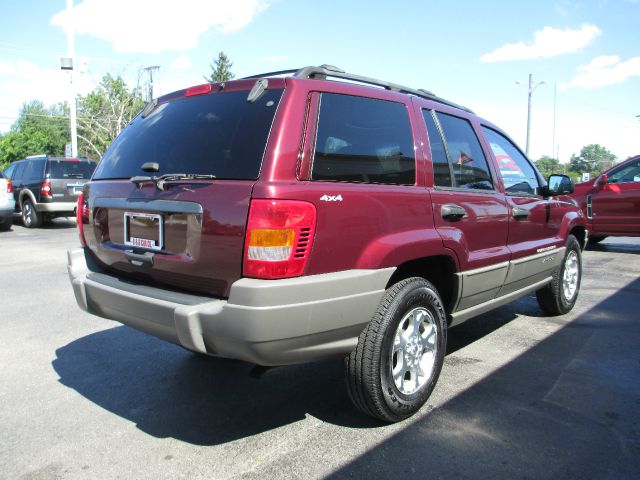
(289, 217)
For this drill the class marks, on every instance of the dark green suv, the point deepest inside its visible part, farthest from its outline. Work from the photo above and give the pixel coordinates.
(46, 187)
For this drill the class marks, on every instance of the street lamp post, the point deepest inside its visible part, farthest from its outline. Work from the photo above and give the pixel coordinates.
(532, 87)
(67, 63)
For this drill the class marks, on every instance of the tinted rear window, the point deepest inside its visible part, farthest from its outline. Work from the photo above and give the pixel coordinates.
(219, 134)
(70, 169)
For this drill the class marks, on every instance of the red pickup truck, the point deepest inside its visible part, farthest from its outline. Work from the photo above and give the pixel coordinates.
(611, 201)
(313, 213)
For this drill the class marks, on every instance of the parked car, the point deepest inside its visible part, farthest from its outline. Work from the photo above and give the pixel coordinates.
(46, 187)
(7, 203)
(611, 201)
(279, 220)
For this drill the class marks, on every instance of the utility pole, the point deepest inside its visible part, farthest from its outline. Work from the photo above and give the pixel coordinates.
(68, 64)
(531, 88)
(555, 103)
(150, 70)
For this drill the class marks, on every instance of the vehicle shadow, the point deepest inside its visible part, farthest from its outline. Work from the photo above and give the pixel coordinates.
(170, 392)
(60, 223)
(566, 408)
(615, 245)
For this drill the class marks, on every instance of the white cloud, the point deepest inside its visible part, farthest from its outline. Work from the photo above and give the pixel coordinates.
(606, 70)
(181, 63)
(22, 81)
(548, 42)
(155, 26)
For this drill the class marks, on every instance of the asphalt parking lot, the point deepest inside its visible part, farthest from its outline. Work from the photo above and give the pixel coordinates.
(520, 396)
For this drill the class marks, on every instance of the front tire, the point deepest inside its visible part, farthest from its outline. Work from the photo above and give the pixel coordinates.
(30, 216)
(559, 296)
(397, 361)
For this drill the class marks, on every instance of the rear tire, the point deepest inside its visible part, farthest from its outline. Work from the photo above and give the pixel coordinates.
(559, 296)
(30, 216)
(396, 363)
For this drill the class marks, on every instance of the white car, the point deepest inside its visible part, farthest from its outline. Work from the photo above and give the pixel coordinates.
(7, 203)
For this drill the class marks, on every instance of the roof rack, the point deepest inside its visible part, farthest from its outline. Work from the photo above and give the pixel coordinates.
(324, 71)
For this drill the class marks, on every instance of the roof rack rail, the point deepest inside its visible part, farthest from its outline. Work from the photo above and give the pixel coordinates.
(271, 74)
(324, 71)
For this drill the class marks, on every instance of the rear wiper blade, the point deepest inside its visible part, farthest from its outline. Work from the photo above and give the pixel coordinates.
(169, 177)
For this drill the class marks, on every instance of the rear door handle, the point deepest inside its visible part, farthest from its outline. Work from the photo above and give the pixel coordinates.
(520, 213)
(452, 213)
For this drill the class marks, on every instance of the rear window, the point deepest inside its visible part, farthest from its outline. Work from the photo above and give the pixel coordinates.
(71, 169)
(220, 134)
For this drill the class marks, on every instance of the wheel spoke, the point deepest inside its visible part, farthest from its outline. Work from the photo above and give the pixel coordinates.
(414, 351)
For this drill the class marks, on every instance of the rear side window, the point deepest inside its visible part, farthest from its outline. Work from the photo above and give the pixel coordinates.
(470, 168)
(71, 169)
(219, 134)
(34, 171)
(363, 140)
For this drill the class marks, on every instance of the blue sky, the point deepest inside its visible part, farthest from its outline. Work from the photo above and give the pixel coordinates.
(468, 52)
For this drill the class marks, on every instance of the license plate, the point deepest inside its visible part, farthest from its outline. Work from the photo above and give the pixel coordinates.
(143, 230)
(75, 189)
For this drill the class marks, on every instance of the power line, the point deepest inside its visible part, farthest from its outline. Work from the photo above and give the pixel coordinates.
(597, 107)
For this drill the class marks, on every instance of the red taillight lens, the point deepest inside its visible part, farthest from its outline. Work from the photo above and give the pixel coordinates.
(45, 189)
(82, 218)
(279, 238)
(9, 186)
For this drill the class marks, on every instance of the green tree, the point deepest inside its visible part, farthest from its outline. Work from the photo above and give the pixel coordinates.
(593, 158)
(548, 165)
(220, 69)
(38, 130)
(103, 113)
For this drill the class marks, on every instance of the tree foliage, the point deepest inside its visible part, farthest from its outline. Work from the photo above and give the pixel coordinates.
(548, 165)
(103, 113)
(220, 69)
(38, 130)
(593, 158)
(101, 116)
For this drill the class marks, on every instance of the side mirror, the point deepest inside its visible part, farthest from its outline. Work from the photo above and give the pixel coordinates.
(559, 185)
(601, 181)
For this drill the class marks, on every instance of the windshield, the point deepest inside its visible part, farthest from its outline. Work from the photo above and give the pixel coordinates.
(71, 169)
(220, 134)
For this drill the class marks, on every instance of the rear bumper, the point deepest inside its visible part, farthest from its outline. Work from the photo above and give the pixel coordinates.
(267, 322)
(57, 207)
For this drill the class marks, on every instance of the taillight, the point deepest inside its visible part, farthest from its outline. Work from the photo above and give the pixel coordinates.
(9, 186)
(45, 189)
(82, 217)
(279, 238)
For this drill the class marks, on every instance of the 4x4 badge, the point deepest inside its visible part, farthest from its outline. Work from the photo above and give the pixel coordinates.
(331, 198)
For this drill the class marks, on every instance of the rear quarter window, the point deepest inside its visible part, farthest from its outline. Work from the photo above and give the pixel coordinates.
(363, 140)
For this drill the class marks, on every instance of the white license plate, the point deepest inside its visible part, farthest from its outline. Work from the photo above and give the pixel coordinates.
(143, 230)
